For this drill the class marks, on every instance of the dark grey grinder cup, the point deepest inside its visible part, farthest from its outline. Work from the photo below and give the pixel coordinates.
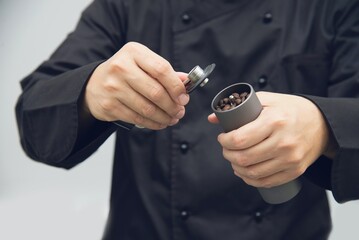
(242, 114)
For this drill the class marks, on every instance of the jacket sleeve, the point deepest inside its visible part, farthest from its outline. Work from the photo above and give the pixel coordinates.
(341, 108)
(47, 110)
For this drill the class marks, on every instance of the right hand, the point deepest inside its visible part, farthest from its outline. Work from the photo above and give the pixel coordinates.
(137, 86)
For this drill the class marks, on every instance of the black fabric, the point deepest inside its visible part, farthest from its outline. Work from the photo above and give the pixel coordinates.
(307, 47)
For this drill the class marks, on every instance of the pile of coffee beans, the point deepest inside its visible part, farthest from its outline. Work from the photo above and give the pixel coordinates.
(231, 101)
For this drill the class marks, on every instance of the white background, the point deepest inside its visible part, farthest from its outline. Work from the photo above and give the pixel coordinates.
(45, 203)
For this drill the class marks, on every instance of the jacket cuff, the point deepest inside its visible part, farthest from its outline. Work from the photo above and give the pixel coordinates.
(340, 174)
(48, 115)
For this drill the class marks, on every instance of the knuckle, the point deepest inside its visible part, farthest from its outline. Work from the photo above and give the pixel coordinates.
(250, 182)
(113, 64)
(178, 87)
(224, 153)
(177, 112)
(158, 126)
(161, 68)
(227, 155)
(301, 171)
(107, 105)
(115, 68)
(236, 173)
(278, 121)
(156, 94)
(287, 144)
(298, 171)
(253, 174)
(138, 120)
(110, 86)
(290, 148)
(242, 160)
(148, 110)
(297, 157)
(265, 184)
(162, 127)
(131, 46)
(238, 141)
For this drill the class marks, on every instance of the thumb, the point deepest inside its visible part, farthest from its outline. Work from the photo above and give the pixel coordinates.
(212, 118)
(183, 76)
(265, 98)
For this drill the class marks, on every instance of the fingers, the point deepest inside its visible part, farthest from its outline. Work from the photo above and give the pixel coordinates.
(251, 156)
(183, 76)
(263, 165)
(266, 98)
(213, 119)
(270, 181)
(130, 115)
(279, 145)
(259, 171)
(137, 86)
(148, 110)
(152, 100)
(161, 70)
(247, 135)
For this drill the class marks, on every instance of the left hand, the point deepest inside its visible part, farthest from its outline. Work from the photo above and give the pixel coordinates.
(278, 146)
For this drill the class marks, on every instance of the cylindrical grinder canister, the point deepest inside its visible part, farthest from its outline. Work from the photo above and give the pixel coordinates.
(236, 117)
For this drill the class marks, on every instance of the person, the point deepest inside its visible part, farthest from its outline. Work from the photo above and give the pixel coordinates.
(179, 176)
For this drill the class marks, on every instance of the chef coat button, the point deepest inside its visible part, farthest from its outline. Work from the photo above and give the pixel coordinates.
(268, 17)
(258, 217)
(184, 215)
(186, 19)
(262, 81)
(184, 146)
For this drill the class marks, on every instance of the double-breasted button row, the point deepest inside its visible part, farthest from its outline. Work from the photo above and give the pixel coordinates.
(258, 216)
(267, 18)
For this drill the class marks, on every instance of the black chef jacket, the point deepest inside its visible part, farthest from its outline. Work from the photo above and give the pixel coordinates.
(174, 183)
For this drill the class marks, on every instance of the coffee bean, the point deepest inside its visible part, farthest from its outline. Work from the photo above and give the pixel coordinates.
(244, 94)
(232, 101)
(238, 101)
(226, 107)
(235, 95)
